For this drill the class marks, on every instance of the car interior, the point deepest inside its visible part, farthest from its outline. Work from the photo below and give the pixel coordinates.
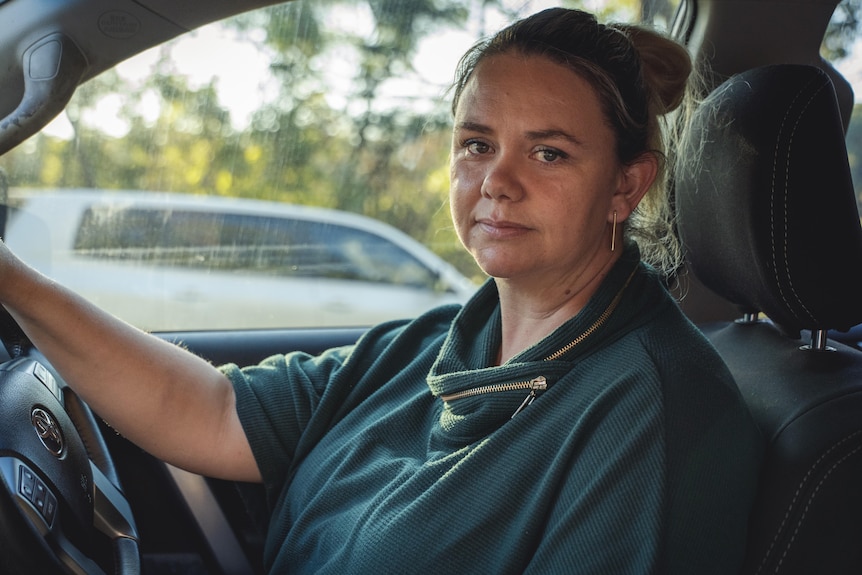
(767, 212)
(767, 220)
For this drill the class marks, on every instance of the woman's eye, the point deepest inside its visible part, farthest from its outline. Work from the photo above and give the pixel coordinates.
(549, 155)
(476, 147)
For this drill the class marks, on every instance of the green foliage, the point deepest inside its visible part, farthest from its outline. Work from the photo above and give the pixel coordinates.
(369, 159)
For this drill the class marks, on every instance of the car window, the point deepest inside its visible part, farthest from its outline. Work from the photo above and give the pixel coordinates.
(842, 48)
(342, 106)
(246, 243)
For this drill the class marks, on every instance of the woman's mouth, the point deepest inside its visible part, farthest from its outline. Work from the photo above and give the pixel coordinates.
(500, 229)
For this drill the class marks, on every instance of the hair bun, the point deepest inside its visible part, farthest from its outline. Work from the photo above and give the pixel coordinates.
(665, 64)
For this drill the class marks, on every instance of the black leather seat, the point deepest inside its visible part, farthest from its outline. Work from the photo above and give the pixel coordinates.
(767, 212)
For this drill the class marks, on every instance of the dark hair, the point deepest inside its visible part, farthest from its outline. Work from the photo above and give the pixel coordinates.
(639, 76)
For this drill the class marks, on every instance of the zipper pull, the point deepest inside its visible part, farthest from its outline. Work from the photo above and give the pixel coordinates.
(537, 384)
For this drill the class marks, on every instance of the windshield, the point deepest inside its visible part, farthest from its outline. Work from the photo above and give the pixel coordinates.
(286, 168)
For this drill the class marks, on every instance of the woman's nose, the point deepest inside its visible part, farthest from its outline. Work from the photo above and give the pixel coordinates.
(502, 181)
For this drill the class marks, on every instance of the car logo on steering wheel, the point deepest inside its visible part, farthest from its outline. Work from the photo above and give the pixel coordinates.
(48, 429)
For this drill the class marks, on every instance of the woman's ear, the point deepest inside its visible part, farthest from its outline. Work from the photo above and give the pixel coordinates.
(636, 178)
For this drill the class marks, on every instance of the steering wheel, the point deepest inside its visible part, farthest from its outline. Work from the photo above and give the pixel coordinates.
(59, 491)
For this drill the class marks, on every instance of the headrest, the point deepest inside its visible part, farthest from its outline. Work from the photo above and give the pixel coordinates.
(766, 206)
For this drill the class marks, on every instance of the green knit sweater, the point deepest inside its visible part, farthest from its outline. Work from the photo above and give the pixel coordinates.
(639, 457)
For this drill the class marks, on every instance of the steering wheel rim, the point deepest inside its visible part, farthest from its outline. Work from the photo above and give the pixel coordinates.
(58, 486)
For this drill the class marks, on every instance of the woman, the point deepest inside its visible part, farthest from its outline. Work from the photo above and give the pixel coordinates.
(568, 419)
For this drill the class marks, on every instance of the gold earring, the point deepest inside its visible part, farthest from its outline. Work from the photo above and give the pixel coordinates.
(614, 233)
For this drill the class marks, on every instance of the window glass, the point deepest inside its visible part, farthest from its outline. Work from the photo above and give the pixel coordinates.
(843, 49)
(246, 243)
(334, 104)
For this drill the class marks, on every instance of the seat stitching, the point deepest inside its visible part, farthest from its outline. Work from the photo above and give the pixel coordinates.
(781, 290)
(808, 504)
(796, 495)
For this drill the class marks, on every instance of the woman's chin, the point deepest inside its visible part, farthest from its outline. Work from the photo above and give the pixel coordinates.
(501, 270)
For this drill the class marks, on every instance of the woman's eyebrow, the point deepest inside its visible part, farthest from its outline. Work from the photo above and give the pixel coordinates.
(474, 127)
(532, 135)
(552, 134)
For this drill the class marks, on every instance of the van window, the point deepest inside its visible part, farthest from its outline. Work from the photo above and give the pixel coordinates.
(246, 243)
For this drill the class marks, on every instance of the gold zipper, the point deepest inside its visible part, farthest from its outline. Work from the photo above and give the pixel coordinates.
(540, 383)
(600, 321)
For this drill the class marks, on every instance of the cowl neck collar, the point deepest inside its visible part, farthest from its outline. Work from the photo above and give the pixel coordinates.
(466, 359)
(478, 397)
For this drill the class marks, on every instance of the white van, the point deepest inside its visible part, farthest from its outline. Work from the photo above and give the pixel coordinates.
(176, 262)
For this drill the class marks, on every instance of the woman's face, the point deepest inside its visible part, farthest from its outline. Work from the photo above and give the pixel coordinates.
(534, 173)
